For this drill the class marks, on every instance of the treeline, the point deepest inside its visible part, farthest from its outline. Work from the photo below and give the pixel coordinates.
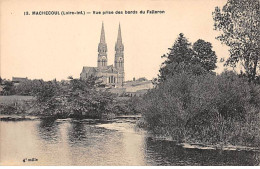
(24, 88)
(190, 103)
(62, 99)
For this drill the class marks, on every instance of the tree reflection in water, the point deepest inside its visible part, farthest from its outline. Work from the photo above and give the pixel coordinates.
(162, 152)
(81, 133)
(48, 130)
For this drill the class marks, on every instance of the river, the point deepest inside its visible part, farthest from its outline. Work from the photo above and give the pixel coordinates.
(90, 142)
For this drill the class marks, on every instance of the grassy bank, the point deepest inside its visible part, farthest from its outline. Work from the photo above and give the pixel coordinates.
(14, 99)
(16, 105)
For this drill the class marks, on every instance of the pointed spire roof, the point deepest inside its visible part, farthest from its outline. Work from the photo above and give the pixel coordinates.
(102, 37)
(119, 37)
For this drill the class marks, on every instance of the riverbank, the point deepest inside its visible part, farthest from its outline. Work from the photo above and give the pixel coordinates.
(204, 146)
(134, 119)
(207, 109)
(23, 109)
(17, 106)
(15, 98)
(27, 106)
(17, 117)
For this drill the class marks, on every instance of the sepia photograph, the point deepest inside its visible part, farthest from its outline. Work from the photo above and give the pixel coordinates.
(130, 83)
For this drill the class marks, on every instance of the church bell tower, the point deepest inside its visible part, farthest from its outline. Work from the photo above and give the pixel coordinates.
(119, 56)
(102, 50)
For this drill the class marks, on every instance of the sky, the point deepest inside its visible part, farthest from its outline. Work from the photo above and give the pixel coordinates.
(48, 46)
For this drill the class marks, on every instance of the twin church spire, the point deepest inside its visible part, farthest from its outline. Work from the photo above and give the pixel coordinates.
(119, 51)
(119, 37)
(102, 37)
(102, 50)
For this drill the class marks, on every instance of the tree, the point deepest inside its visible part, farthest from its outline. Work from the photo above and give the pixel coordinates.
(28, 87)
(239, 21)
(183, 57)
(181, 52)
(8, 87)
(77, 98)
(204, 55)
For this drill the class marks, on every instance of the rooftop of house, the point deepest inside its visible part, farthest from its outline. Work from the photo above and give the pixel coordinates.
(19, 79)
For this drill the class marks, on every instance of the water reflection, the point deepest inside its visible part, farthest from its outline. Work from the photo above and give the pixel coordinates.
(76, 133)
(91, 145)
(48, 130)
(82, 133)
(162, 152)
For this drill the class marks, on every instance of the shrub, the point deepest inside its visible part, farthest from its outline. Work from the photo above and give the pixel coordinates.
(78, 98)
(204, 108)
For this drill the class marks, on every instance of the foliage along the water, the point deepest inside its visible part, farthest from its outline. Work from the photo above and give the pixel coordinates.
(74, 98)
(192, 104)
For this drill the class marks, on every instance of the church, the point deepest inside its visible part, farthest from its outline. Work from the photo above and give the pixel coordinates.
(113, 75)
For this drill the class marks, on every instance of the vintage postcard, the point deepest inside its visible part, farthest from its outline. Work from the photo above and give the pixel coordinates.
(129, 83)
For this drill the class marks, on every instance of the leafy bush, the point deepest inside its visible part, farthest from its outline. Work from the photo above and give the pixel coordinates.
(205, 108)
(16, 108)
(77, 98)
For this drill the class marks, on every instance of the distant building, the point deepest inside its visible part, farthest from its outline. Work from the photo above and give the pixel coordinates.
(137, 87)
(133, 88)
(113, 76)
(110, 74)
(19, 79)
(141, 79)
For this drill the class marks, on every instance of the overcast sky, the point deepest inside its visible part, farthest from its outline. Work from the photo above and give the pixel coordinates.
(48, 47)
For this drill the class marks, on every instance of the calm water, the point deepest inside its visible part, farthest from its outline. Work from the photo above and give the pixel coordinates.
(80, 142)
